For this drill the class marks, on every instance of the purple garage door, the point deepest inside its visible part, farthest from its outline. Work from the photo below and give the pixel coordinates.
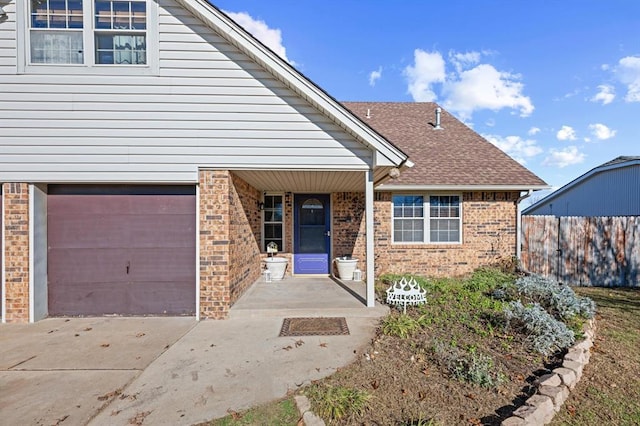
(128, 250)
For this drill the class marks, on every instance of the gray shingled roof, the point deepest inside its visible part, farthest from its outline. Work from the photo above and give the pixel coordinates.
(453, 155)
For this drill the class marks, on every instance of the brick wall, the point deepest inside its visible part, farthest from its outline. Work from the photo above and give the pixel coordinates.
(16, 253)
(489, 234)
(244, 236)
(349, 226)
(214, 244)
(230, 232)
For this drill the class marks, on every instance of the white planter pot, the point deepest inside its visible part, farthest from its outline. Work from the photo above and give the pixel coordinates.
(277, 266)
(346, 266)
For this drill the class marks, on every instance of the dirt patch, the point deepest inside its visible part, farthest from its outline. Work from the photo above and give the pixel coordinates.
(410, 383)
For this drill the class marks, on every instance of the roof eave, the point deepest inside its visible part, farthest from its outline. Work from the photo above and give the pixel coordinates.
(392, 187)
(576, 181)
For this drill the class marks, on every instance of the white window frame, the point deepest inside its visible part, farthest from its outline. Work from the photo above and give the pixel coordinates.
(263, 222)
(426, 218)
(23, 17)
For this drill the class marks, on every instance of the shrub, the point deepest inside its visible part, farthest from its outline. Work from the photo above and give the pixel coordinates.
(560, 300)
(546, 334)
(469, 366)
(486, 279)
(400, 325)
(337, 402)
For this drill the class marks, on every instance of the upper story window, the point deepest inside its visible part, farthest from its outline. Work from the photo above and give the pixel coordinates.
(57, 32)
(88, 32)
(120, 32)
(427, 219)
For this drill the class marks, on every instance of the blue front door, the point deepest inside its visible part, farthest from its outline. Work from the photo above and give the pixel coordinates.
(312, 234)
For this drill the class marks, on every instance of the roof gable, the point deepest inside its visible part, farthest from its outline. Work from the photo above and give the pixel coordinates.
(453, 156)
(616, 163)
(390, 155)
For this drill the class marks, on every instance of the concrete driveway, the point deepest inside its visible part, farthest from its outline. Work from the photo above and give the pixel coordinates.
(161, 371)
(64, 371)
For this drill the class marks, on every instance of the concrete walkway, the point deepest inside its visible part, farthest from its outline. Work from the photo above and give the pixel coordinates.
(168, 371)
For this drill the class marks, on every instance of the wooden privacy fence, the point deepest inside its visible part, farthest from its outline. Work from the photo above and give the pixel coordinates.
(585, 251)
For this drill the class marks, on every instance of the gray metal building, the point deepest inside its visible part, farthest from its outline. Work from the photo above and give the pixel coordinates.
(611, 189)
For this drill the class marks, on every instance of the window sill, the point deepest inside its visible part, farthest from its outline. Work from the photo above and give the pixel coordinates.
(69, 69)
(427, 245)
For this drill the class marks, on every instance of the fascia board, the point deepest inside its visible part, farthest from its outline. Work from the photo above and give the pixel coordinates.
(391, 187)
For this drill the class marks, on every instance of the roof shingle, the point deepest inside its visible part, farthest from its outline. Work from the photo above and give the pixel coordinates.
(453, 155)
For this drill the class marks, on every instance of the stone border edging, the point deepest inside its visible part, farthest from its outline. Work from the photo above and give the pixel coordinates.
(304, 407)
(554, 388)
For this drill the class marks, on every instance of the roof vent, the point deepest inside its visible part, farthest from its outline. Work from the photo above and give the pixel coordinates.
(438, 112)
(368, 113)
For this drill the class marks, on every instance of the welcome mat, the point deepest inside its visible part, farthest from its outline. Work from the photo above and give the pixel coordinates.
(322, 326)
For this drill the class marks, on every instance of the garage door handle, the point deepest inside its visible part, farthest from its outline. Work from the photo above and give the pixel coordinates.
(128, 266)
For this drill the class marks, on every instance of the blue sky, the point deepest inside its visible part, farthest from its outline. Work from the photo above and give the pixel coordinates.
(555, 84)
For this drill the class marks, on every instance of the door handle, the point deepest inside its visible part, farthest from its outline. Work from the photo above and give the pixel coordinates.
(327, 234)
(128, 266)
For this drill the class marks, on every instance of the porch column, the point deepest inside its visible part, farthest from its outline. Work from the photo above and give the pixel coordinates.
(371, 297)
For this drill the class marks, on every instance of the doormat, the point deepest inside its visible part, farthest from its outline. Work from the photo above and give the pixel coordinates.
(322, 326)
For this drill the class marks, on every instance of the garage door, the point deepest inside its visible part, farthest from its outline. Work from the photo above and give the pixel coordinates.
(127, 250)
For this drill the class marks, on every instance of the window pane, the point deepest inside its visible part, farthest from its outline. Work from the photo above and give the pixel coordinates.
(121, 49)
(59, 47)
(121, 15)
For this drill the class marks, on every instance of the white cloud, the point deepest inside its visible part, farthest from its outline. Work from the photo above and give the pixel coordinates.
(374, 76)
(606, 94)
(563, 157)
(628, 72)
(463, 61)
(533, 131)
(517, 148)
(428, 69)
(484, 87)
(271, 37)
(471, 86)
(601, 132)
(566, 133)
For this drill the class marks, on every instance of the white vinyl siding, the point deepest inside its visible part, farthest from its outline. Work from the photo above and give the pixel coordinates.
(210, 107)
(426, 218)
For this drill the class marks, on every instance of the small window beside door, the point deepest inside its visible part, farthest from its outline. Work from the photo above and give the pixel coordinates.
(273, 221)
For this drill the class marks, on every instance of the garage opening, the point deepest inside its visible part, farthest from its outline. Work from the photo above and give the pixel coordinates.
(121, 249)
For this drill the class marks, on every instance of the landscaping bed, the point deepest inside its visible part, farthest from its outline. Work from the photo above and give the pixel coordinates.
(469, 356)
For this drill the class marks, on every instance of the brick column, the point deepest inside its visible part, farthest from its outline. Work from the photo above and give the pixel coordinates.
(16, 251)
(214, 253)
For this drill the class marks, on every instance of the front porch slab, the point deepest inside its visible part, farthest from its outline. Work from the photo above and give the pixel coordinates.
(306, 297)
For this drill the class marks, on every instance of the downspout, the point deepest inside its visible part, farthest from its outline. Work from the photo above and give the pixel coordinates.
(519, 223)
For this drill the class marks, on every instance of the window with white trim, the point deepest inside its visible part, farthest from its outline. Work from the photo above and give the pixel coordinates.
(427, 219)
(88, 32)
(273, 222)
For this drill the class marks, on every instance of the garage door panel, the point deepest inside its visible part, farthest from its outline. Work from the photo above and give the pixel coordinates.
(69, 266)
(162, 231)
(66, 205)
(88, 231)
(163, 204)
(95, 298)
(179, 266)
(166, 299)
(130, 252)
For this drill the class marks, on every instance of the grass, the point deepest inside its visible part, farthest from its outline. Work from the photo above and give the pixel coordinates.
(609, 391)
(280, 413)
